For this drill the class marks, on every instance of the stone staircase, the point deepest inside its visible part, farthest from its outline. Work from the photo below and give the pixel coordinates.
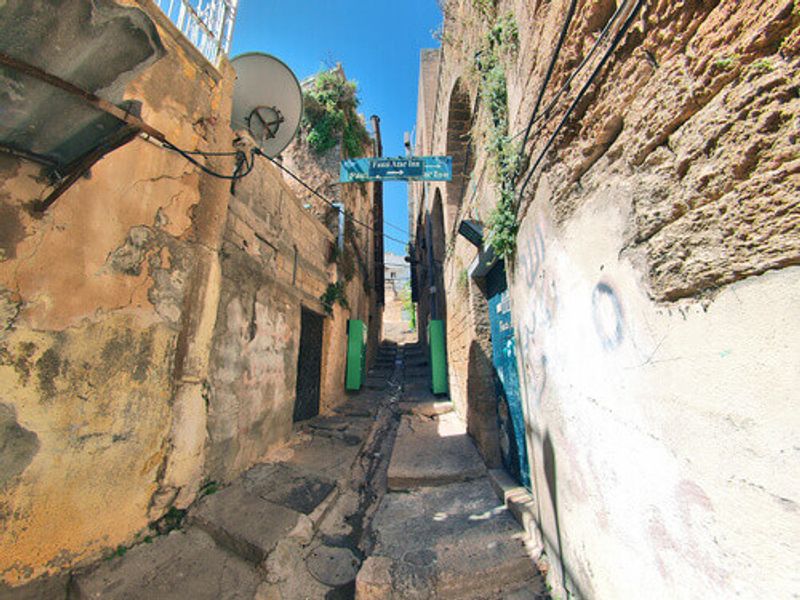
(382, 368)
(287, 528)
(440, 531)
(385, 498)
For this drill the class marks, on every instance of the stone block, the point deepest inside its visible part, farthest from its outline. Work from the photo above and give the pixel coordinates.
(178, 566)
(288, 486)
(426, 409)
(43, 588)
(429, 452)
(453, 541)
(243, 522)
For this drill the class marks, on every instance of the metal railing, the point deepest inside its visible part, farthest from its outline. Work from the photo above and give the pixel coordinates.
(208, 24)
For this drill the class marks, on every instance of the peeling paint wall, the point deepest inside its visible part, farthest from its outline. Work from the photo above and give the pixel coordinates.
(93, 315)
(654, 293)
(274, 260)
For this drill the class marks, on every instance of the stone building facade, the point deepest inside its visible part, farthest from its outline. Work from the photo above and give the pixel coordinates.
(653, 284)
(150, 319)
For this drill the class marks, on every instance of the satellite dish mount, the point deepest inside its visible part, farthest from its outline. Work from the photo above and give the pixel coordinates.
(267, 101)
(264, 123)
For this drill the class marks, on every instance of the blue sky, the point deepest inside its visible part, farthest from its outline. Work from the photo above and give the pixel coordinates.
(378, 44)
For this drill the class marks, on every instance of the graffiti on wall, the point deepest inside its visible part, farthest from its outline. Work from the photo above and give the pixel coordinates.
(607, 315)
(538, 312)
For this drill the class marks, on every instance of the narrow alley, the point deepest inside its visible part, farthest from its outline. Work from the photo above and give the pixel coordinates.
(440, 299)
(330, 514)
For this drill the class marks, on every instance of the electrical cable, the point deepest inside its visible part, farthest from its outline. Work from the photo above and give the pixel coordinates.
(323, 198)
(614, 43)
(238, 174)
(603, 34)
(403, 231)
(242, 158)
(550, 68)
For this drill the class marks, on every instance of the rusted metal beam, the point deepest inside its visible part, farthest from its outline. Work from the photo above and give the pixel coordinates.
(88, 97)
(80, 167)
(31, 156)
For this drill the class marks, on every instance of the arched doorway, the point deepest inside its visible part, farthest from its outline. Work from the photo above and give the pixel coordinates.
(459, 146)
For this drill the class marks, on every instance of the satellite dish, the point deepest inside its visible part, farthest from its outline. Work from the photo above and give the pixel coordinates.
(267, 101)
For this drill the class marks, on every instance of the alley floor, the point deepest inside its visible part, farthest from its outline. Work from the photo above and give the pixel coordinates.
(386, 498)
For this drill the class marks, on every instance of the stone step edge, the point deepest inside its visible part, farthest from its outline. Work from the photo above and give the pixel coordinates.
(521, 504)
(374, 580)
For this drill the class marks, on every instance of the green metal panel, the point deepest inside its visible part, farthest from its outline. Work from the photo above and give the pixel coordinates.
(438, 357)
(356, 354)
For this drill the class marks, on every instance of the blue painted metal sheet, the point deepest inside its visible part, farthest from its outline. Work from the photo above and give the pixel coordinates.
(510, 416)
(417, 168)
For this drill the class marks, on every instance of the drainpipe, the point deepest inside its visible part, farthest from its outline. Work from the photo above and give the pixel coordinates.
(377, 219)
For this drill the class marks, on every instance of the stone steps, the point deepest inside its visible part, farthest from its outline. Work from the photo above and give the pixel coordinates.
(180, 565)
(440, 531)
(430, 408)
(431, 452)
(418, 384)
(235, 540)
(375, 383)
(448, 542)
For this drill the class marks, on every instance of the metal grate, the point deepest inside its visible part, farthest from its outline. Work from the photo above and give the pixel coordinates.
(208, 24)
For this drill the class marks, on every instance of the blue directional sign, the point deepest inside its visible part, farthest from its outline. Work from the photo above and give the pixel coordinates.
(417, 168)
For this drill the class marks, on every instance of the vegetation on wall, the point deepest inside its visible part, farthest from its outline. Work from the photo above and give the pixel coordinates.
(330, 114)
(504, 159)
(334, 293)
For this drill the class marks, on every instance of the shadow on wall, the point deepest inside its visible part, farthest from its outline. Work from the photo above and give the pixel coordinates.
(549, 465)
(482, 405)
(565, 577)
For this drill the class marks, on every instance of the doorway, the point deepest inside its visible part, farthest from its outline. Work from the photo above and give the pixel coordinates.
(309, 366)
(510, 417)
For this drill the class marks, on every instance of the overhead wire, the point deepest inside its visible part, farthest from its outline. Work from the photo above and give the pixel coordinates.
(323, 198)
(614, 43)
(546, 111)
(239, 174)
(551, 67)
(392, 225)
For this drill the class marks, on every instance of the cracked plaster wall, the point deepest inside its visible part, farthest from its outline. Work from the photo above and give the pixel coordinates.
(94, 325)
(654, 294)
(275, 260)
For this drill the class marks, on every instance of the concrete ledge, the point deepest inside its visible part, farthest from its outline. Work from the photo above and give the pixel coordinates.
(520, 503)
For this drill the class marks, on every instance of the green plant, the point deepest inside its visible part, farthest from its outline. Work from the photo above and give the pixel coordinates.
(463, 281)
(505, 33)
(504, 156)
(726, 63)
(172, 519)
(763, 65)
(118, 552)
(485, 7)
(334, 293)
(330, 114)
(209, 487)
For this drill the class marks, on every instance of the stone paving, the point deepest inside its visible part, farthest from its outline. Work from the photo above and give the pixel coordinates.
(440, 531)
(385, 498)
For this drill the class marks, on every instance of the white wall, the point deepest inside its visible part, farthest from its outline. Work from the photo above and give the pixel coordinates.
(674, 427)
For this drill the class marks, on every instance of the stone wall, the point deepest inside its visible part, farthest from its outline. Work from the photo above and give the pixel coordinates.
(653, 289)
(355, 263)
(149, 331)
(93, 326)
(275, 261)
